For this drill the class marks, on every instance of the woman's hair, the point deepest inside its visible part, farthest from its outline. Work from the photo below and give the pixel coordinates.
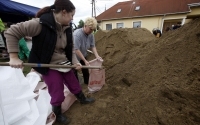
(58, 6)
(91, 22)
(9, 24)
(154, 29)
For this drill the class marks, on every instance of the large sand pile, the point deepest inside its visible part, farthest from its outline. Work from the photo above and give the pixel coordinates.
(149, 81)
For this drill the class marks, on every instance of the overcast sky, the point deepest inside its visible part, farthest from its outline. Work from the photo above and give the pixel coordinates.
(83, 7)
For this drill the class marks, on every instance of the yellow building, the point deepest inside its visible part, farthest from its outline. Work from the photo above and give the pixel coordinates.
(149, 14)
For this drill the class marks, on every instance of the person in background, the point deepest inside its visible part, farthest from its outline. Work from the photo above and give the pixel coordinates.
(178, 25)
(84, 40)
(4, 51)
(168, 29)
(52, 43)
(157, 32)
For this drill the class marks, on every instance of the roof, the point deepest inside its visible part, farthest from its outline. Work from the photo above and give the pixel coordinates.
(10, 8)
(146, 8)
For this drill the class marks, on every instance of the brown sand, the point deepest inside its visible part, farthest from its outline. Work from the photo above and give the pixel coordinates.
(149, 80)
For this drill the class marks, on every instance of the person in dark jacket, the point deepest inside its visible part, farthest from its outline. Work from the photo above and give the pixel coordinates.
(52, 43)
(157, 32)
(178, 25)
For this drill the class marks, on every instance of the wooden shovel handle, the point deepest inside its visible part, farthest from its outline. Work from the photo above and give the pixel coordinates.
(52, 65)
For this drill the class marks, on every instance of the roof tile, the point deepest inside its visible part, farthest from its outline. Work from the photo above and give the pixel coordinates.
(147, 8)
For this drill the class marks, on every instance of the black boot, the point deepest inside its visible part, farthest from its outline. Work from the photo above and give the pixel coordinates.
(83, 100)
(59, 116)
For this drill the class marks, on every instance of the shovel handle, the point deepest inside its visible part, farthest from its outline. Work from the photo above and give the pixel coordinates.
(52, 65)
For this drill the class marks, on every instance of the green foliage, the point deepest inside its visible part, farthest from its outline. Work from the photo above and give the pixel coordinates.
(81, 24)
(2, 27)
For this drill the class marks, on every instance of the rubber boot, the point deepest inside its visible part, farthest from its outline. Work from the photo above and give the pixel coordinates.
(60, 118)
(83, 100)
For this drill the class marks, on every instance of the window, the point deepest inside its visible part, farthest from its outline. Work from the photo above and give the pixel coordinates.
(137, 7)
(119, 10)
(108, 26)
(120, 25)
(137, 24)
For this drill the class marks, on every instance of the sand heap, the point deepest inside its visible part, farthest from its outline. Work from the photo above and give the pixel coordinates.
(149, 81)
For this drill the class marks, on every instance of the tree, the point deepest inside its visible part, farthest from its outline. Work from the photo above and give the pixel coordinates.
(81, 24)
(2, 27)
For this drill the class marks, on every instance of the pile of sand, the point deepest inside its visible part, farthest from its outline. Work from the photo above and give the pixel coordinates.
(149, 80)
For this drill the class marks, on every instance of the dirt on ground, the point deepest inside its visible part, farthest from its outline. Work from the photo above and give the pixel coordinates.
(149, 80)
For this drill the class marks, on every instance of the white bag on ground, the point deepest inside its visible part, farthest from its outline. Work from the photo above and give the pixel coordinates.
(14, 87)
(69, 100)
(16, 111)
(19, 105)
(15, 92)
(3, 120)
(33, 78)
(43, 106)
(31, 117)
(97, 77)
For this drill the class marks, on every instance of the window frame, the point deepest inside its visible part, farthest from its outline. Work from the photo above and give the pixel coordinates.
(120, 23)
(137, 25)
(110, 25)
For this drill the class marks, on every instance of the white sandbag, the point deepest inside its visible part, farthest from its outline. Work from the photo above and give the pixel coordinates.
(15, 92)
(30, 118)
(2, 120)
(69, 99)
(14, 87)
(16, 111)
(40, 85)
(97, 76)
(96, 80)
(18, 102)
(51, 119)
(2, 117)
(43, 106)
(33, 79)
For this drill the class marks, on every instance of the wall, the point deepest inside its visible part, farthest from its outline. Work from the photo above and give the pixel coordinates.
(194, 11)
(154, 22)
(146, 22)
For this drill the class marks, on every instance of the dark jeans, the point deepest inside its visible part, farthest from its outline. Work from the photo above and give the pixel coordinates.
(85, 73)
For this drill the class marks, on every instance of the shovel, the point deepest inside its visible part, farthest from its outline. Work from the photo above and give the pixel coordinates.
(52, 65)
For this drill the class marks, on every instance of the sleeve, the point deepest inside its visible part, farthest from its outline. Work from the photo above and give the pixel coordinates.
(16, 32)
(92, 42)
(77, 42)
(74, 57)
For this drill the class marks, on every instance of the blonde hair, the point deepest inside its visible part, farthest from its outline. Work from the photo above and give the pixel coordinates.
(91, 22)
